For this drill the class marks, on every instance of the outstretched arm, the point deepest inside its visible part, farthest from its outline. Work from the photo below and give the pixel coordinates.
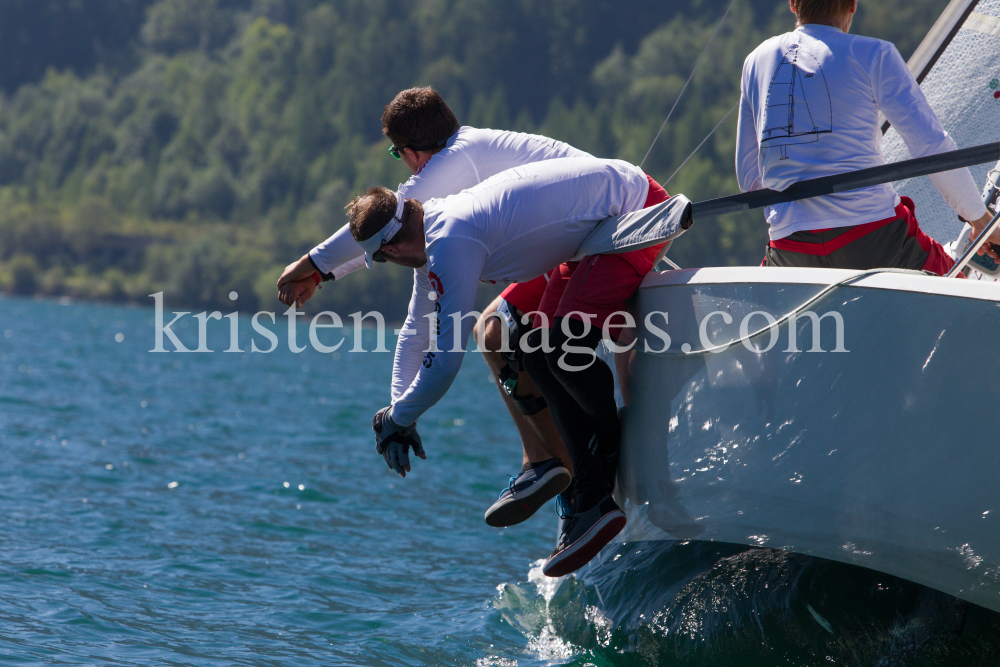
(303, 268)
(414, 337)
(457, 264)
(339, 255)
(334, 258)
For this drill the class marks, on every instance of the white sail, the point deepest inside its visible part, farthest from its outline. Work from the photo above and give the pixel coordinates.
(963, 88)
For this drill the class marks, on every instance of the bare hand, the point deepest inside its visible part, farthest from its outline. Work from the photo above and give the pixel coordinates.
(987, 248)
(297, 271)
(297, 292)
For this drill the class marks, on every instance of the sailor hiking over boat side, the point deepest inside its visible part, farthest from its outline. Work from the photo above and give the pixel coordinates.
(510, 228)
(809, 107)
(446, 159)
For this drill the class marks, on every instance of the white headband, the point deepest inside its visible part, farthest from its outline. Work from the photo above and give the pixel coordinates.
(384, 235)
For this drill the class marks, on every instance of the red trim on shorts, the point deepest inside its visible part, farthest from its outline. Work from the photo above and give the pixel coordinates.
(852, 234)
(938, 259)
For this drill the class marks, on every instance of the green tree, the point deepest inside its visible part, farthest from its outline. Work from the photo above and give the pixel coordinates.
(198, 146)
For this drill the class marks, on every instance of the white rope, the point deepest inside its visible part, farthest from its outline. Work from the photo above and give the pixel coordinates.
(666, 260)
(787, 316)
(681, 94)
(700, 145)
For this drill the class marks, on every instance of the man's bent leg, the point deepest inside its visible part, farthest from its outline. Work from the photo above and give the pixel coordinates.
(539, 436)
(573, 424)
(590, 517)
(543, 474)
(590, 386)
(599, 292)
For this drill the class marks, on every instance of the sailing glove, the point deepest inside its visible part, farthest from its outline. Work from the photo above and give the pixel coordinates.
(393, 441)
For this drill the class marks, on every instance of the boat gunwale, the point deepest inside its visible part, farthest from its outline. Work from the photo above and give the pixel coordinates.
(741, 275)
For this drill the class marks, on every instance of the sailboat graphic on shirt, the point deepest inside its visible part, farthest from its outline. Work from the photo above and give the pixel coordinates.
(798, 107)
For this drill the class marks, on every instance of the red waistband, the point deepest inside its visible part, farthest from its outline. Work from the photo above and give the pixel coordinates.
(825, 248)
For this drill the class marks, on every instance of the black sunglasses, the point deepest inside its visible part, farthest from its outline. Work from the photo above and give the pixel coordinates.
(394, 150)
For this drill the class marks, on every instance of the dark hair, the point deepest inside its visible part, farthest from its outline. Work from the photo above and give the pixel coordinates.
(815, 11)
(419, 119)
(374, 209)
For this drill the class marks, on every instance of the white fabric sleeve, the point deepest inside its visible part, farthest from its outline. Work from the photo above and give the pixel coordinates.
(457, 264)
(902, 102)
(747, 146)
(340, 254)
(414, 337)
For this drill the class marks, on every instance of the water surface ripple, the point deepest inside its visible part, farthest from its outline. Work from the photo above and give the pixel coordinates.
(228, 509)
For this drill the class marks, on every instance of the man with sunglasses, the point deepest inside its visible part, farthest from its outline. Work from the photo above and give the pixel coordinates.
(446, 159)
(514, 227)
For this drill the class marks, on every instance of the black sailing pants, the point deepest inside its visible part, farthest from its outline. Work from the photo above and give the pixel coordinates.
(580, 391)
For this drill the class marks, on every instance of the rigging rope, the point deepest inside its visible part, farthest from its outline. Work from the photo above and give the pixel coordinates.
(787, 316)
(681, 94)
(664, 184)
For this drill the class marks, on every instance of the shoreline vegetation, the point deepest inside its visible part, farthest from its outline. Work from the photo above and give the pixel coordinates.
(198, 146)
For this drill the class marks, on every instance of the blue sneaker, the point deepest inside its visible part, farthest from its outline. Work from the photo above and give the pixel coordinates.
(527, 492)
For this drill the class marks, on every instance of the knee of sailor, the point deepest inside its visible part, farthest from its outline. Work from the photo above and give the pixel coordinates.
(552, 359)
(567, 357)
(489, 334)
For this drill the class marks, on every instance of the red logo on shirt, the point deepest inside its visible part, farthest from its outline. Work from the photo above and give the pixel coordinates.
(435, 282)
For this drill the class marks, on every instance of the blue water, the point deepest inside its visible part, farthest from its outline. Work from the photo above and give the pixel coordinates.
(228, 508)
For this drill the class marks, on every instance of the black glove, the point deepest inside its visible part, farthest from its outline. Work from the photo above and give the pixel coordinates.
(393, 441)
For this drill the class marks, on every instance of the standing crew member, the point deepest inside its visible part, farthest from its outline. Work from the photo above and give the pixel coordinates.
(510, 228)
(809, 107)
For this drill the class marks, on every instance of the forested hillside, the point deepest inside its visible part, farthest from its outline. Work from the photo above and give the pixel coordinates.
(197, 146)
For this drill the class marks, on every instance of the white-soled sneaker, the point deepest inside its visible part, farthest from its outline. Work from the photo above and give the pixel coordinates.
(583, 535)
(527, 492)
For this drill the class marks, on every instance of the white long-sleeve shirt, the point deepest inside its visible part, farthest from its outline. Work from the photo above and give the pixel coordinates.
(809, 107)
(510, 228)
(471, 156)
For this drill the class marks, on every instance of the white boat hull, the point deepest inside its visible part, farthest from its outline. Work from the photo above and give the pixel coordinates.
(885, 456)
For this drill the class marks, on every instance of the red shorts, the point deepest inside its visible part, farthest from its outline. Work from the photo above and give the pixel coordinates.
(526, 296)
(596, 286)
